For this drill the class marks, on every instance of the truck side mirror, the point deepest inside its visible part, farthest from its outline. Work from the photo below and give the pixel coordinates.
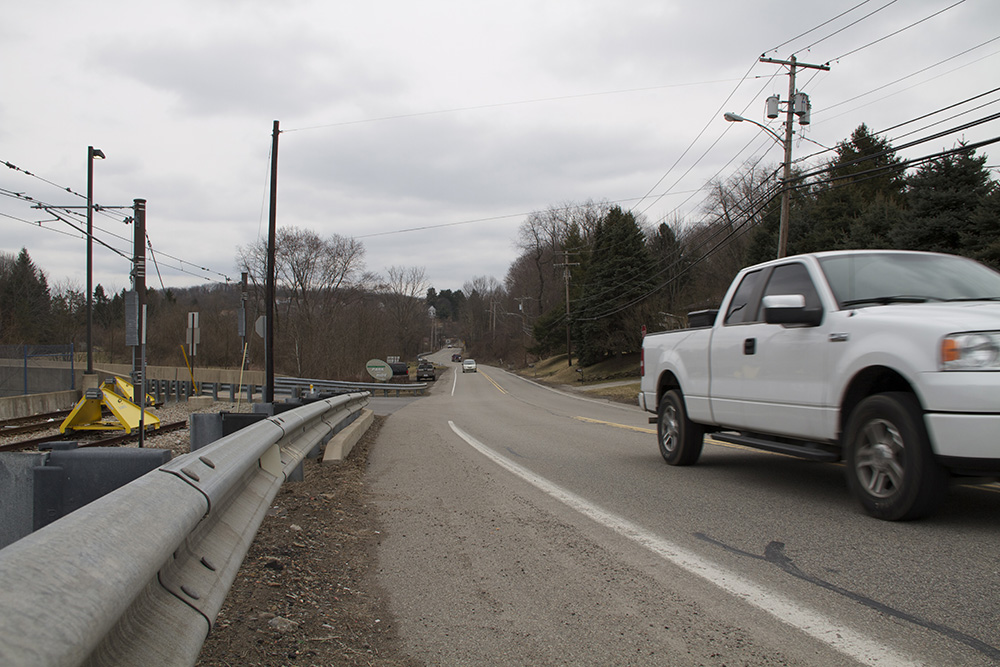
(790, 309)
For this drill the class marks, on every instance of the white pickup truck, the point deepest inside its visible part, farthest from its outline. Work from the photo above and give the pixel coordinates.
(887, 360)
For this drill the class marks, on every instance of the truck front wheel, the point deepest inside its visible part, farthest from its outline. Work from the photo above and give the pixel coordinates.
(890, 466)
(680, 439)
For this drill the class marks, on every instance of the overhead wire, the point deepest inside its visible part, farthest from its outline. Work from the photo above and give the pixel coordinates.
(762, 201)
(99, 210)
(817, 27)
(903, 29)
(851, 25)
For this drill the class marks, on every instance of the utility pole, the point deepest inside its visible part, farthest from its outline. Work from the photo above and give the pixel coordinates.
(139, 285)
(524, 325)
(242, 325)
(269, 287)
(569, 343)
(798, 104)
(92, 153)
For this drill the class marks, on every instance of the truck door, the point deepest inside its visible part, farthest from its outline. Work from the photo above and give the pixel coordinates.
(785, 367)
(727, 363)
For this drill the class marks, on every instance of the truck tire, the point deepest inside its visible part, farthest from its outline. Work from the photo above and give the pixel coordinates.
(891, 469)
(680, 439)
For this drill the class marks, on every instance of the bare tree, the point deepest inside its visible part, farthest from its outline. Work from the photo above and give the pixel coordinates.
(403, 291)
(316, 281)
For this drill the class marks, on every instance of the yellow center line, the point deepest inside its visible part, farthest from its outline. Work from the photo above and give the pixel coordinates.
(502, 390)
(624, 426)
(992, 487)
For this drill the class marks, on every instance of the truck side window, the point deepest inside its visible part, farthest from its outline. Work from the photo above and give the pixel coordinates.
(791, 279)
(739, 307)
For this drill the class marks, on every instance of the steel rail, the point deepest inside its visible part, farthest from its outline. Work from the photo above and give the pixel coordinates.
(138, 576)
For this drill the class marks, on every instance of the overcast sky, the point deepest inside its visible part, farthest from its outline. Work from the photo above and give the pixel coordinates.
(452, 118)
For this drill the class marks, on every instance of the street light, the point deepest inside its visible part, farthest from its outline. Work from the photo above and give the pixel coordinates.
(91, 154)
(786, 175)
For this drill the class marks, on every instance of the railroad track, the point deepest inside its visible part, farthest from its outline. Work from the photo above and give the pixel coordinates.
(31, 424)
(83, 438)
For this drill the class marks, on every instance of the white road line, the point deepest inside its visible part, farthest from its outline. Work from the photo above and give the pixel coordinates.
(848, 642)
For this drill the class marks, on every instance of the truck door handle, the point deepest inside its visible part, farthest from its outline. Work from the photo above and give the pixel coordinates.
(750, 346)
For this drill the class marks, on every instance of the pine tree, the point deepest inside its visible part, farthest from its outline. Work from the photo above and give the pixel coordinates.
(25, 303)
(617, 280)
(944, 196)
(862, 188)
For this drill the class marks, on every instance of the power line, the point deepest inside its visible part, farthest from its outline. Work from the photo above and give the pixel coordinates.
(851, 25)
(893, 34)
(815, 28)
(67, 211)
(495, 105)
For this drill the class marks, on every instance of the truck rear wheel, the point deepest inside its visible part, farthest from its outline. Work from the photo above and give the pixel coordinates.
(890, 466)
(680, 439)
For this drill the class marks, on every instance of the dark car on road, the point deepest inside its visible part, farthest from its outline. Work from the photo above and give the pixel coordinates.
(425, 371)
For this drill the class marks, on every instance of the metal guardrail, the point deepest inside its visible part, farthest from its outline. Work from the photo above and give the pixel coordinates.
(138, 576)
(287, 385)
(167, 390)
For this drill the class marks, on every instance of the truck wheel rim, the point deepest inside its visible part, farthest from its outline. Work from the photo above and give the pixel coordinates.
(670, 430)
(879, 459)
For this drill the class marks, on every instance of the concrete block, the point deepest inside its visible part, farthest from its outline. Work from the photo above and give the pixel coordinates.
(205, 428)
(72, 478)
(200, 401)
(341, 444)
(17, 494)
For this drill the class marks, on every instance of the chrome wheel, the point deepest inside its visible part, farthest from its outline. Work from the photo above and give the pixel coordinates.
(669, 429)
(680, 439)
(879, 463)
(890, 465)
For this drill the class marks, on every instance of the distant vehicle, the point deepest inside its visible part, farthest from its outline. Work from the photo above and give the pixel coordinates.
(456, 357)
(469, 366)
(425, 371)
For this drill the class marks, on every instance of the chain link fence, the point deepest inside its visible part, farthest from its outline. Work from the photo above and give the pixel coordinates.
(35, 369)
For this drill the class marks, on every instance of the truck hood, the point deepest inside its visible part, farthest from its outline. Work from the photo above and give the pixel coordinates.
(953, 316)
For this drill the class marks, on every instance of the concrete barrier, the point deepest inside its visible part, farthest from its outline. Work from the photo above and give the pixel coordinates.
(341, 444)
(13, 407)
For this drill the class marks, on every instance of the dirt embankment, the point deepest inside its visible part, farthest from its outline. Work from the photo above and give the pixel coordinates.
(305, 594)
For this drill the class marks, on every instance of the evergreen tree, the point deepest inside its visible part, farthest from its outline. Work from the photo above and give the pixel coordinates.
(866, 174)
(617, 280)
(985, 247)
(25, 303)
(944, 197)
(670, 266)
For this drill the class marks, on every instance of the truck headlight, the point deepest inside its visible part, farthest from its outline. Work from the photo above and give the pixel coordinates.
(978, 350)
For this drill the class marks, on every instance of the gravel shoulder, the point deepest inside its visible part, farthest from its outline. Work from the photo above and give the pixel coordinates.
(305, 594)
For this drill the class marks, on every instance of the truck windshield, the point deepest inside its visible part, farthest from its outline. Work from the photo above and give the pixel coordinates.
(902, 277)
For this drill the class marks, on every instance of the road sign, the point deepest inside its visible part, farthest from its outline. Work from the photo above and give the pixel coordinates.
(193, 334)
(379, 370)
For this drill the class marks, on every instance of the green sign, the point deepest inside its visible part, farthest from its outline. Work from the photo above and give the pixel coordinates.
(379, 370)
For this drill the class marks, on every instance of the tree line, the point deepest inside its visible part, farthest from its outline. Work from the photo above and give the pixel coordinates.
(622, 273)
(589, 276)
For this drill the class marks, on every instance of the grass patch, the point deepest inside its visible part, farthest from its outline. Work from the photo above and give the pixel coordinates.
(555, 370)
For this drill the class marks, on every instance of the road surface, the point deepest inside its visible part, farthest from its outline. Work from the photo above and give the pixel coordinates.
(521, 525)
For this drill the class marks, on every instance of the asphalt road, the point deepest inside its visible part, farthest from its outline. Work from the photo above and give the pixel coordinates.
(524, 526)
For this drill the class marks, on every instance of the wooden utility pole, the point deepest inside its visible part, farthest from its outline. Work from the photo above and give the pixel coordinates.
(569, 342)
(786, 177)
(269, 287)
